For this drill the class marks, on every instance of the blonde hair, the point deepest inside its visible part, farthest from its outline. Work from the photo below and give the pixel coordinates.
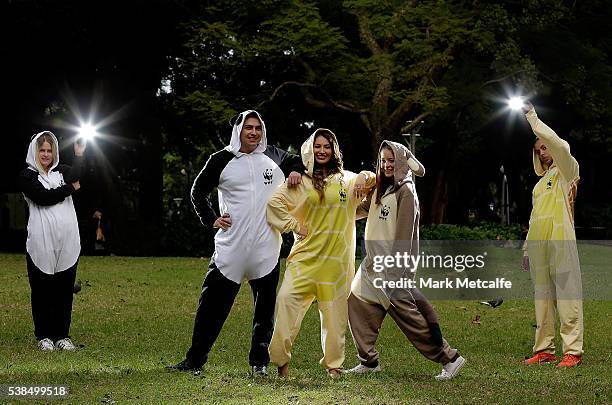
(46, 137)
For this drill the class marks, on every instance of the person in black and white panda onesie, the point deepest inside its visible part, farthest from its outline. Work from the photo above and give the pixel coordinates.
(53, 244)
(246, 173)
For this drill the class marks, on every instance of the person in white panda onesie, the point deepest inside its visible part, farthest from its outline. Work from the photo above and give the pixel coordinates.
(53, 245)
(246, 173)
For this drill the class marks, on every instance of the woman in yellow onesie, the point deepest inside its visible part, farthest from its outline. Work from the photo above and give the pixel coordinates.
(321, 213)
(551, 251)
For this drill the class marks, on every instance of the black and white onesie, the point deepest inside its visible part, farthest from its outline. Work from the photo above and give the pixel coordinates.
(250, 248)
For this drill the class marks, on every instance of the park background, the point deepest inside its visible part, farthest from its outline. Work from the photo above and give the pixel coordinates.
(162, 79)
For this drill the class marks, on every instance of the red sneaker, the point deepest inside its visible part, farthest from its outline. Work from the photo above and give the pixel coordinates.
(540, 358)
(569, 360)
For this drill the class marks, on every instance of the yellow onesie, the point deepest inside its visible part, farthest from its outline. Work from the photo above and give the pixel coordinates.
(551, 246)
(321, 266)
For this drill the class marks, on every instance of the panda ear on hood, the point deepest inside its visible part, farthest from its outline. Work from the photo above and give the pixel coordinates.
(236, 120)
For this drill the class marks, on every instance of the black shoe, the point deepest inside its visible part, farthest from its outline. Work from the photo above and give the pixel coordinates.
(259, 371)
(185, 365)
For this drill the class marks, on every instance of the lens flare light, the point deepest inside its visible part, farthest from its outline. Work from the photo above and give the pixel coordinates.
(87, 132)
(515, 103)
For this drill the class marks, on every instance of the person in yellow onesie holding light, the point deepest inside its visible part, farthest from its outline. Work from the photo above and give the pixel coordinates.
(321, 213)
(551, 253)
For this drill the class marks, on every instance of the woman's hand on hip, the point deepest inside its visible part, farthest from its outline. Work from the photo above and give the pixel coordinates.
(302, 232)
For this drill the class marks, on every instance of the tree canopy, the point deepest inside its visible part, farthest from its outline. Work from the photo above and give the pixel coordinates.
(375, 69)
(174, 73)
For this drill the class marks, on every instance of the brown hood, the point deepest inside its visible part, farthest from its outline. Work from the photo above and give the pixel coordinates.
(307, 150)
(405, 163)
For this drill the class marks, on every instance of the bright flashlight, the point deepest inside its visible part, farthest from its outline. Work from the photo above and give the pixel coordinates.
(87, 132)
(515, 103)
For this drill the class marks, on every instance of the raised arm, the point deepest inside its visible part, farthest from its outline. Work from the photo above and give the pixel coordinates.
(559, 148)
(74, 172)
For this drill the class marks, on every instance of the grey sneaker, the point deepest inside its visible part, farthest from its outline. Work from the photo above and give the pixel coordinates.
(46, 345)
(361, 369)
(259, 371)
(65, 344)
(451, 369)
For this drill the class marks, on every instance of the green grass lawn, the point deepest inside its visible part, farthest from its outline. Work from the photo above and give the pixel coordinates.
(135, 315)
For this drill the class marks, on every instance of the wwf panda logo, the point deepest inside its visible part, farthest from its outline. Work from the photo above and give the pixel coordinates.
(549, 184)
(268, 175)
(342, 194)
(384, 212)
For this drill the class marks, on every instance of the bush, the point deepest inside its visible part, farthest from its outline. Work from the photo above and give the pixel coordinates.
(477, 231)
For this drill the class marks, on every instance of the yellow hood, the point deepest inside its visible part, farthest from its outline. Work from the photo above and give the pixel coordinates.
(538, 167)
(307, 150)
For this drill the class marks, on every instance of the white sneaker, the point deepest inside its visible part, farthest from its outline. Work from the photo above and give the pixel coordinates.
(46, 345)
(65, 344)
(361, 369)
(451, 369)
(259, 371)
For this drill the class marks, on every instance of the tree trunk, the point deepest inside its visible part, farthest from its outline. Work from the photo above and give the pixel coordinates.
(439, 201)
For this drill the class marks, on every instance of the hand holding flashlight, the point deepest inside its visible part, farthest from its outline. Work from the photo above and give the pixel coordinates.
(87, 132)
(79, 147)
(519, 104)
(526, 107)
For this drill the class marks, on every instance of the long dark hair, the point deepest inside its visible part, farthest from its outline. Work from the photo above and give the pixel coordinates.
(383, 182)
(333, 166)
